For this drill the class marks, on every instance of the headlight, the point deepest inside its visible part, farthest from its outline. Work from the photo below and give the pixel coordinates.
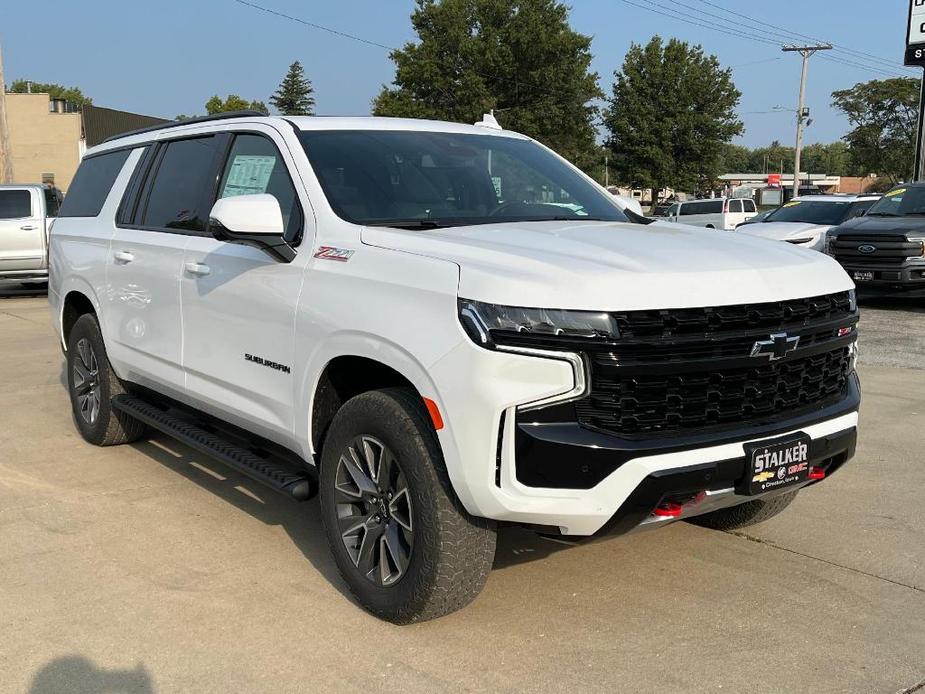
(484, 322)
(921, 241)
(852, 300)
(827, 246)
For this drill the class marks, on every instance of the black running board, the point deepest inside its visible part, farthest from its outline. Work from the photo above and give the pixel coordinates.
(267, 472)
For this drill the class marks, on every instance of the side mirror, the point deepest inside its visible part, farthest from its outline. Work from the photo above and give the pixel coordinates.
(251, 220)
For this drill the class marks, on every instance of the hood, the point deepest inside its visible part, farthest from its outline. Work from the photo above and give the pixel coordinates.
(781, 231)
(617, 266)
(884, 225)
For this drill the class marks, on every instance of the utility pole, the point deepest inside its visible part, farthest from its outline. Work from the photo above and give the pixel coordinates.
(802, 111)
(6, 154)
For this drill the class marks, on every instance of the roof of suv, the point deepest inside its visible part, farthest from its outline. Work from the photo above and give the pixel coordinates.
(304, 123)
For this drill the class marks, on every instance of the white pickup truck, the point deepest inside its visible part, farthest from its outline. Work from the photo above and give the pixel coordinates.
(26, 212)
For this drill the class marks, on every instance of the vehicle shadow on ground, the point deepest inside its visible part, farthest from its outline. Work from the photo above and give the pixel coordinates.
(892, 303)
(14, 290)
(76, 674)
(301, 520)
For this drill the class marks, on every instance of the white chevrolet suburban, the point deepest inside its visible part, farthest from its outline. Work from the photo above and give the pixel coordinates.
(442, 329)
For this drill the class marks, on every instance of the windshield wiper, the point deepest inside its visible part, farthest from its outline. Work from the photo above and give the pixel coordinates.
(883, 214)
(410, 224)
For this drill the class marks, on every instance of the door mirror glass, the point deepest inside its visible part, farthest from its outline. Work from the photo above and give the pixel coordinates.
(251, 220)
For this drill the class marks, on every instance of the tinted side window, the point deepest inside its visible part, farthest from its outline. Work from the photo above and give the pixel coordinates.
(689, 208)
(749, 205)
(15, 204)
(52, 201)
(859, 209)
(735, 205)
(181, 186)
(91, 184)
(713, 207)
(255, 166)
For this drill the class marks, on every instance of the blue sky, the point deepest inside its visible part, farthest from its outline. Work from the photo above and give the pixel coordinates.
(168, 57)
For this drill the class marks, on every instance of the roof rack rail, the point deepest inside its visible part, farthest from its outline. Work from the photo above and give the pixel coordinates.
(189, 121)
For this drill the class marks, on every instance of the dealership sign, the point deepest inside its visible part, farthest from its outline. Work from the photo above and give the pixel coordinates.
(774, 180)
(915, 36)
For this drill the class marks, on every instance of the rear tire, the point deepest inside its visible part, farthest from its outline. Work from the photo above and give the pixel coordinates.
(744, 515)
(403, 543)
(91, 384)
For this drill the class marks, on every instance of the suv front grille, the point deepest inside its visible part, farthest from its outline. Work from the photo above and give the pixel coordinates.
(682, 370)
(633, 405)
(890, 249)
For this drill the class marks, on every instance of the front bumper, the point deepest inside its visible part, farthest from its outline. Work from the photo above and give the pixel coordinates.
(907, 277)
(636, 477)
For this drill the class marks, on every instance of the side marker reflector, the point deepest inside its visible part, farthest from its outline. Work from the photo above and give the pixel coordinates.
(434, 413)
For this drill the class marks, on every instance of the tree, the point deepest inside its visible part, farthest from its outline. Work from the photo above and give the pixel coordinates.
(294, 95)
(233, 102)
(56, 91)
(883, 115)
(672, 109)
(518, 57)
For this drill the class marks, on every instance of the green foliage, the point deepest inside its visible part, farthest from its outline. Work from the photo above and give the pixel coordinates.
(56, 91)
(518, 57)
(883, 115)
(233, 102)
(833, 159)
(672, 109)
(294, 95)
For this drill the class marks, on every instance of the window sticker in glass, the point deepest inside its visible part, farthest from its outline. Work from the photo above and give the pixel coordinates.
(248, 174)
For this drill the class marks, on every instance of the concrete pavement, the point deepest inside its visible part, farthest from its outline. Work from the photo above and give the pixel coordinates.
(150, 568)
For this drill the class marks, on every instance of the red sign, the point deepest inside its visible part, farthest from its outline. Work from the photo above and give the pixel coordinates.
(774, 180)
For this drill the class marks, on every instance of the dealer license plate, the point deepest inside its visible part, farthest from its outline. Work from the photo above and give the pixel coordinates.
(777, 464)
(860, 276)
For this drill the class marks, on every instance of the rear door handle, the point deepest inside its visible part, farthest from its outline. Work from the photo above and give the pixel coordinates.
(28, 227)
(123, 256)
(199, 269)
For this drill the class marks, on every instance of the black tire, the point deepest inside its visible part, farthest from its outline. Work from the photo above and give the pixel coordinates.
(91, 390)
(743, 515)
(449, 553)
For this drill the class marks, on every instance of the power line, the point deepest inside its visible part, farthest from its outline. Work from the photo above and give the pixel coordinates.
(760, 24)
(736, 32)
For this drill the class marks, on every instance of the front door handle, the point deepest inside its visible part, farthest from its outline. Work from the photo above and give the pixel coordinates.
(123, 256)
(199, 269)
(28, 227)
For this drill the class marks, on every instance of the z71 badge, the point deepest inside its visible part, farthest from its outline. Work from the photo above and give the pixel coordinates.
(332, 253)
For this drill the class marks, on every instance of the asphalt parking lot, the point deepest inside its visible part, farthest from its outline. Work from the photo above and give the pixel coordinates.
(150, 568)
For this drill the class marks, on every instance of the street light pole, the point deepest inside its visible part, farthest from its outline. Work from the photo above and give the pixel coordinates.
(802, 112)
(6, 155)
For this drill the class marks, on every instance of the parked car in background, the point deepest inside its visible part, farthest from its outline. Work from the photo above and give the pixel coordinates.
(885, 249)
(804, 221)
(715, 213)
(26, 212)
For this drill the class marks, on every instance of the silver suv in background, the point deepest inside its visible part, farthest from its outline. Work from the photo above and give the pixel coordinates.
(26, 212)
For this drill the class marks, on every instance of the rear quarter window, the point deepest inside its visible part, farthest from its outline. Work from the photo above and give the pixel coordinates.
(92, 183)
(15, 204)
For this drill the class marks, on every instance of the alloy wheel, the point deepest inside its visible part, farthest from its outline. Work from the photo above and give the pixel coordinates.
(373, 507)
(86, 381)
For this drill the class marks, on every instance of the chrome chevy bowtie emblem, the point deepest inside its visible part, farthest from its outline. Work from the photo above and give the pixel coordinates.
(777, 347)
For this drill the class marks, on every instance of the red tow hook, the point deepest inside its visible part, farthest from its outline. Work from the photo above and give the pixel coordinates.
(668, 509)
(816, 473)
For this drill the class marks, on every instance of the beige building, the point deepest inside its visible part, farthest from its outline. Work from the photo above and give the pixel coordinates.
(48, 136)
(46, 144)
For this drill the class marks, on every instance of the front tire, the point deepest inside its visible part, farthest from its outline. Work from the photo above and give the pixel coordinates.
(92, 384)
(403, 543)
(744, 515)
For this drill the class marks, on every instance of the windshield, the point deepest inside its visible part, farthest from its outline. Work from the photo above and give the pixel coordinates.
(425, 180)
(900, 202)
(811, 212)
